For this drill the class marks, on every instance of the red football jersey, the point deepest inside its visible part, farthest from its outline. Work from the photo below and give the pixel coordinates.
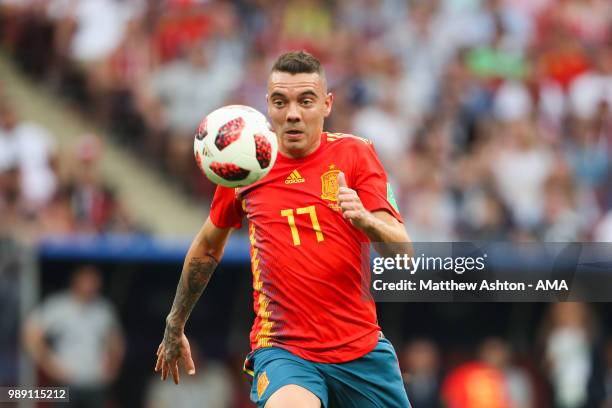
(308, 283)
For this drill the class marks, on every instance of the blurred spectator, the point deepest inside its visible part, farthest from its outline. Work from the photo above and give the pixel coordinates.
(98, 27)
(497, 353)
(593, 88)
(424, 43)
(253, 88)
(587, 153)
(603, 231)
(10, 195)
(520, 168)
(475, 385)
(562, 58)
(30, 150)
(571, 356)
(76, 339)
(181, 25)
(127, 73)
(369, 19)
(210, 387)
(87, 33)
(305, 24)
(420, 365)
(587, 20)
(95, 207)
(512, 102)
(429, 206)
(382, 124)
(57, 217)
(182, 93)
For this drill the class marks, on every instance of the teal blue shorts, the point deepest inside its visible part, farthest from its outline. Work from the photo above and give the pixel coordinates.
(373, 380)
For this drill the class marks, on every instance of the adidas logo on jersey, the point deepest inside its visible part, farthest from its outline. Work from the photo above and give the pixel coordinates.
(294, 178)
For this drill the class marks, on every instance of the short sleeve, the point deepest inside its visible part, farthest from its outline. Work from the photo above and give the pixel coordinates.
(48, 315)
(370, 182)
(226, 210)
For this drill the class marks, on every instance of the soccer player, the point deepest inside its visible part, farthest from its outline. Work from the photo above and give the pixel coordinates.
(315, 341)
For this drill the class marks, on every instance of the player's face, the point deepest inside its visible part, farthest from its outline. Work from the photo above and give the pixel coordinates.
(298, 104)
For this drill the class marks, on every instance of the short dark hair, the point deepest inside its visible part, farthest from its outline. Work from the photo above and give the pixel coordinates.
(298, 62)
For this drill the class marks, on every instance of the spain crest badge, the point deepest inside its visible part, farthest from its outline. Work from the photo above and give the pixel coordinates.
(329, 187)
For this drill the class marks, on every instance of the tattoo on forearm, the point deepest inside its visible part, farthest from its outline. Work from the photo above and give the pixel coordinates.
(191, 285)
(200, 272)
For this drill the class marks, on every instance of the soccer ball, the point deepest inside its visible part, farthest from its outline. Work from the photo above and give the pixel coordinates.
(234, 146)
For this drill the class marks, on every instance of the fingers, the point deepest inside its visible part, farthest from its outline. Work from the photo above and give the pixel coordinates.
(346, 191)
(175, 372)
(342, 180)
(165, 366)
(160, 360)
(168, 360)
(189, 364)
(165, 369)
(348, 206)
(344, 197)
(349, 201)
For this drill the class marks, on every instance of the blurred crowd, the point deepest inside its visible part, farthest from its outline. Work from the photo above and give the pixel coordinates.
(44, 191)
(574, 368)
(492, 116)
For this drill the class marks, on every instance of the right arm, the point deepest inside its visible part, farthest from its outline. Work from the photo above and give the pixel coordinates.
(202, 258)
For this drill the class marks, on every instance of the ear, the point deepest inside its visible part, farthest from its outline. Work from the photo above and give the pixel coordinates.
(329, 101)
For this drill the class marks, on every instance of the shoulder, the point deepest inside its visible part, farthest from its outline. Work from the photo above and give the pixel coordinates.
(54, 307)
(32, 129)
(58, 300)
(350, 142)
(354, 146)
(29, 134)
(347, 138)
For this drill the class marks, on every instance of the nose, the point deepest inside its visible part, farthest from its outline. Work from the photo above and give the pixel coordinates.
(293, 114)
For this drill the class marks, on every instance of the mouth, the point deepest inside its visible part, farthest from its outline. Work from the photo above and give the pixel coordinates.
(293, 134)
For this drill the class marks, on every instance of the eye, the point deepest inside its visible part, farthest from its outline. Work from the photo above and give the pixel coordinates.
(278, 103)
(307, 102)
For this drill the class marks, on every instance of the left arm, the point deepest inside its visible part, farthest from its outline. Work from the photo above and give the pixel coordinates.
(379, 226)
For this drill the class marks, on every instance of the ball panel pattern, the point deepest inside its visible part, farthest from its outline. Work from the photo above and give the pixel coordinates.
(230, 132)
(263, 150)
(229, 171)
(202, 129)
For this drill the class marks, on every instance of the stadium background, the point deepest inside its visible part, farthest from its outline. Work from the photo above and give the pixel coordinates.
(492, 118)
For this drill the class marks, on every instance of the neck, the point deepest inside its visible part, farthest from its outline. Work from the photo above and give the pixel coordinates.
(298, 153)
